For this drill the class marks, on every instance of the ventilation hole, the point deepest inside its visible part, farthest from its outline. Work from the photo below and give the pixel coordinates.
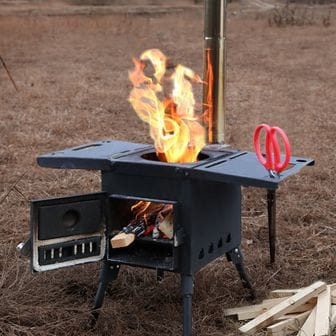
(201, 254)
(228, 238)
(211, 248)
(220, 243)
(301, 160)
(87, 146)
(47, 255)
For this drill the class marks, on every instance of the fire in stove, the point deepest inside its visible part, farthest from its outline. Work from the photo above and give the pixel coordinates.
(147, 219)
(162, 96)
(174, 124)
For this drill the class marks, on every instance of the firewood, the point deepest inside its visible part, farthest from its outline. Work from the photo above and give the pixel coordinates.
(293, 315)
(147, 214)
(333, 317)
(308, 328)
(252, 308)
(333, 293)
(333, 287)
(134, 229)
(282, 328)
(252, 311)
(283, 307)
(309, 311)
(251, 314)
(323, 312)
(166, 225)
(278, 293)
(122, 239)
(273, 301)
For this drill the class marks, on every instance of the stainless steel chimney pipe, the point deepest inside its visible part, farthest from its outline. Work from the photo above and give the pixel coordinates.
(215, 70)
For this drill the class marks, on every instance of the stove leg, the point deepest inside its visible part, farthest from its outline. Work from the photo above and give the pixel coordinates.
(271, 212)
(187, 292)
(237, 259)
(108, 273)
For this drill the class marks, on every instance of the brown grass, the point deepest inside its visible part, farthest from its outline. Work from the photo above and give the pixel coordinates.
(71, 73)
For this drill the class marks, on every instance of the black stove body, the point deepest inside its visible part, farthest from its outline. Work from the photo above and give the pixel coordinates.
(206, 200)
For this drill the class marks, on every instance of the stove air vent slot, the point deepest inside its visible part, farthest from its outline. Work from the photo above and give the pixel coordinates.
(214, 247)
(225, 159)
(87, 146)
(71, 250)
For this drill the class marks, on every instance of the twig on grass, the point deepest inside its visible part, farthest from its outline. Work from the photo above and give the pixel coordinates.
(8, 73)
(272, 276)
(13, 187)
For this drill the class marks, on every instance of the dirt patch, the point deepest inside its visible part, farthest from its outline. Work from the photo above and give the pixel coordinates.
(72, 78)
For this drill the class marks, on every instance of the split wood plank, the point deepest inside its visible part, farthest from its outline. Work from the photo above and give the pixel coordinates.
(283, 307)
(333, 293)
(266, 304)
(323, 312)
(333, 318)
(279, 293)
(273, 301)
(289, 325)
(308, 328)
(289, 316)
(251, 314)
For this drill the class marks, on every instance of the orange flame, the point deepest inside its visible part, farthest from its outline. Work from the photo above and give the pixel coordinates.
(177, 133)
(139, 208)
(209, 82)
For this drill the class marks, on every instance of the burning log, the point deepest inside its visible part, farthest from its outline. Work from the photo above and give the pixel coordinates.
(166, 226)
(150, 218)
(136, 228)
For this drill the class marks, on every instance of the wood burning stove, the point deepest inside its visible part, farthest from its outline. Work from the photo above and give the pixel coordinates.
(205, 198)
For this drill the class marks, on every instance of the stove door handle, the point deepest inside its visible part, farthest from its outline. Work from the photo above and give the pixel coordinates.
(25, 248)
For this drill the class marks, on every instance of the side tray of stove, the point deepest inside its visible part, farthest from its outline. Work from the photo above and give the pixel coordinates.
(66, 231)
(243, 168)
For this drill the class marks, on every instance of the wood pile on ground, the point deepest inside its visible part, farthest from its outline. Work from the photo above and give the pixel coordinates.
(306, 311)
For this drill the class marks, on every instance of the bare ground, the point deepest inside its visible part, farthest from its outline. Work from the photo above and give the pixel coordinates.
(71, 72)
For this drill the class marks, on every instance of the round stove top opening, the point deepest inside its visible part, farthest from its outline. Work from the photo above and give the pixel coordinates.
(153, 156)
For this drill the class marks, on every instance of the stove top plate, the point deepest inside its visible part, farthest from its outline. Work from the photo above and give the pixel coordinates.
(218, 164)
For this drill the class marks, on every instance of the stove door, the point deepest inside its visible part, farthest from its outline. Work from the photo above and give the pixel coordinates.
(68, 231)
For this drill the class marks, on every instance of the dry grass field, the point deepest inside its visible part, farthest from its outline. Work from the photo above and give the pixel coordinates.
(71, 74)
